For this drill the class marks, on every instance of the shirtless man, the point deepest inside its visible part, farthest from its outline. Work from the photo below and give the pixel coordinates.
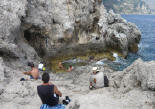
(34, 73)
(60, 65)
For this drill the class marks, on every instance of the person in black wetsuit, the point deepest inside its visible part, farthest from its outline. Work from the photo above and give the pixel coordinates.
(48, 92)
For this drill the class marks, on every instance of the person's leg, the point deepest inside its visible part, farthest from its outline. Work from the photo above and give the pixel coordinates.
(22, 79)
(39, 77)
(91, 86)
(91, 83)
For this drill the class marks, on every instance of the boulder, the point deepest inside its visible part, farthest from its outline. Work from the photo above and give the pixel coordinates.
(139, 74)
(120, 34)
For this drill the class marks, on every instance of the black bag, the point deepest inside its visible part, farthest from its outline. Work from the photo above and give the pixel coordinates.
(106, 81)
(66, 101)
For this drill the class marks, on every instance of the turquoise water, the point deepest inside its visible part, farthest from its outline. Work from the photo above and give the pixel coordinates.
(146, 24)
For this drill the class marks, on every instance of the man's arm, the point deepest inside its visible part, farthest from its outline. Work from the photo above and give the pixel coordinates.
(56, 91)
(27, 73)
(92, 79)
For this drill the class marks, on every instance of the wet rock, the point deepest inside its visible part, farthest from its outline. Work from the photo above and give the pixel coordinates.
(133, 48)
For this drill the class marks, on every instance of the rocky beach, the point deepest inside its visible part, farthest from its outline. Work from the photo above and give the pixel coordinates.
(42, 30)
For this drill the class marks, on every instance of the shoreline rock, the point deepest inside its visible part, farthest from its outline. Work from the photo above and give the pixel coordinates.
(128, 94)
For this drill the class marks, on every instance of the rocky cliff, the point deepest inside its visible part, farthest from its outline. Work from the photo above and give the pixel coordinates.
(127, 6)
(76, 24)
(35, 28)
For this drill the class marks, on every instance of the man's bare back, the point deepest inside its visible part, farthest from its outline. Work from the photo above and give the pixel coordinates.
(35, 73)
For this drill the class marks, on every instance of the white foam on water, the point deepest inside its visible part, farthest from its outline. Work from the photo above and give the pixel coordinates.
(116, 57)
(99, 63)
(139, 45)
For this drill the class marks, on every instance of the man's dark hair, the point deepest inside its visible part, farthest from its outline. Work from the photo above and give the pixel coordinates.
(30, 64)
(45, 77)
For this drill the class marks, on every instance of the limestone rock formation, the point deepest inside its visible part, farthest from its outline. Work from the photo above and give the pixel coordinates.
(55, 28)
(75, 23)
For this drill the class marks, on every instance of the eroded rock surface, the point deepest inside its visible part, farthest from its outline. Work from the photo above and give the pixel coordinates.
(17, 94)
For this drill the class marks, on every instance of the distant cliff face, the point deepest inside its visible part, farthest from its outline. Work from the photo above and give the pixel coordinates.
(151, 4)
(127, 6)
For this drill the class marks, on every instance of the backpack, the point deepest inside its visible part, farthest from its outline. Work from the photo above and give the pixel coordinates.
(106, 81)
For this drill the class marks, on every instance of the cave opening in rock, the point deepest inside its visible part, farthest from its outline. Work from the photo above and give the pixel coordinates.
(27, 35)
(1, 53)
(35, 39)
